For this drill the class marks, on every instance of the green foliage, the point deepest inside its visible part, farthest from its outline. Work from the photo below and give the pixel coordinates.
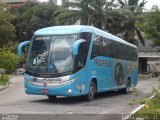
(89, 12)
(31, 17)
(151, 26)
(105, 15)
(7, 30)
(143, 101)
(152, 106)
(131, 11)
(8, 60)
(11, 46)
(133, 101)
(4, 79)
(151, 109)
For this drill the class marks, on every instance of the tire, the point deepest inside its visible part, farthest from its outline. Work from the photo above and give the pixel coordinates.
(50, 97)
(127, 89)
(92, 90)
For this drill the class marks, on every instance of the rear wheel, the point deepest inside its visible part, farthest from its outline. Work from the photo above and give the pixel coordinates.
(127, 89)
(51, 97)
(92, 91)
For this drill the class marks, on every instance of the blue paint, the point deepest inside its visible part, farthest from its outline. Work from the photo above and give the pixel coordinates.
(76, 46)
(100, 68)
(73, 29)
(20, 46)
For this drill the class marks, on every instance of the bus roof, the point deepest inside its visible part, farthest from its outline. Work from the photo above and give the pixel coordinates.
(73, 29)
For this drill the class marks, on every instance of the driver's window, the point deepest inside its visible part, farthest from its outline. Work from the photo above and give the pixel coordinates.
(81, 61)
(83, 50)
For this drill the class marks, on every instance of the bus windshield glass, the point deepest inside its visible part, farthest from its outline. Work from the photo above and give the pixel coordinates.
(51, 54)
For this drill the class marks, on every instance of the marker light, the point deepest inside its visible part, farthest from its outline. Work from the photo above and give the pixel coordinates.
(69, 90)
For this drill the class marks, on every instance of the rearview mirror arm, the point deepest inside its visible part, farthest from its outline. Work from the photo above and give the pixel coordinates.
(76, 46)
(20, 46)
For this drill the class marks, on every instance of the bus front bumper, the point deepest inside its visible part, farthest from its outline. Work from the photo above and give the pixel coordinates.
(67, 90)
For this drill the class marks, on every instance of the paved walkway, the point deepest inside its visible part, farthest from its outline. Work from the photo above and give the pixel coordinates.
(14, 100)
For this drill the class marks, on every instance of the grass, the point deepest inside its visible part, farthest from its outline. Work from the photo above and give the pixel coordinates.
(152, 107)
(151, 110)
(4, 79)
(144, 77)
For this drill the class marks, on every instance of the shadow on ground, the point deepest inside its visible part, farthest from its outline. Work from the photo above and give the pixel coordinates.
(79, 99)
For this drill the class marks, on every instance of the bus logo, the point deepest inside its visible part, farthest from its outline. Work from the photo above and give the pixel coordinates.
(45, 84)
(119, 76)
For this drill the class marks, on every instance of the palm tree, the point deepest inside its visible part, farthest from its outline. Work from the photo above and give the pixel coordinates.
(131, 10)
(89, 12)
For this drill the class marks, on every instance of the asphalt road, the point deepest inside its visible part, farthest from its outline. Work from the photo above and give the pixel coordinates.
(14, 100)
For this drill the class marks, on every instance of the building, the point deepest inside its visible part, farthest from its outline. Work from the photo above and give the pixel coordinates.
(16, 3)
(147, 55)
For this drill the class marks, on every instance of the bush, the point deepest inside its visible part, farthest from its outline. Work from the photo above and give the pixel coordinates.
(8, 60)
(4, 79)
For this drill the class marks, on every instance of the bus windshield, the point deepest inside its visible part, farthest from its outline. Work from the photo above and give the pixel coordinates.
(51, 54)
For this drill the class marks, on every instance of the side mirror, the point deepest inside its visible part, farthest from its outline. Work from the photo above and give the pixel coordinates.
(76, 46)
(20, 46)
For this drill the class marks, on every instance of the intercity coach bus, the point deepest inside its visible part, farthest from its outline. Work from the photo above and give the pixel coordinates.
(78, 60)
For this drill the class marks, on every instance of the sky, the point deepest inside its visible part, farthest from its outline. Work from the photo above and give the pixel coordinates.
(59, 1)
(149, 4)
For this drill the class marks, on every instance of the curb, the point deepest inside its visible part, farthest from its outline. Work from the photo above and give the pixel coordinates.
(6, 86)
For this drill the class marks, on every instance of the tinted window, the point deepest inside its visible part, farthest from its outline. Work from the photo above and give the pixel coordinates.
(109, 48)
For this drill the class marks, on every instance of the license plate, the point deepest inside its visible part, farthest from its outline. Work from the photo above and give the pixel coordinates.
(44, 91)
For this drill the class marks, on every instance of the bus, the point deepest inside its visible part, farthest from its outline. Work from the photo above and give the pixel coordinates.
(78, 60)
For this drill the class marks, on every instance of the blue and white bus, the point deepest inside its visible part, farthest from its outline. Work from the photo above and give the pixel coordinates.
(78, 60)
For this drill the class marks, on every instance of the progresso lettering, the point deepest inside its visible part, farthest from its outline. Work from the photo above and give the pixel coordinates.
(103, 63)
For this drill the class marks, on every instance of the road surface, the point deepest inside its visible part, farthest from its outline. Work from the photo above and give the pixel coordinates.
(14, 100)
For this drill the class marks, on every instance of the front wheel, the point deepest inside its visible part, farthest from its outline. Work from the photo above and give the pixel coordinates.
(51, 97)
(92, 90)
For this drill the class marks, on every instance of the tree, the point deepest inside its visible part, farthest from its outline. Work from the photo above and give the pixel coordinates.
(151, 26)
(8, 60)
(89, 12)
(7, 30)
(105, 15)
(31, 17)
(131, 11)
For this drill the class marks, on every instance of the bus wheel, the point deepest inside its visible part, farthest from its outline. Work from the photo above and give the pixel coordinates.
(92, 90)
(51, 97)
(127, 89)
